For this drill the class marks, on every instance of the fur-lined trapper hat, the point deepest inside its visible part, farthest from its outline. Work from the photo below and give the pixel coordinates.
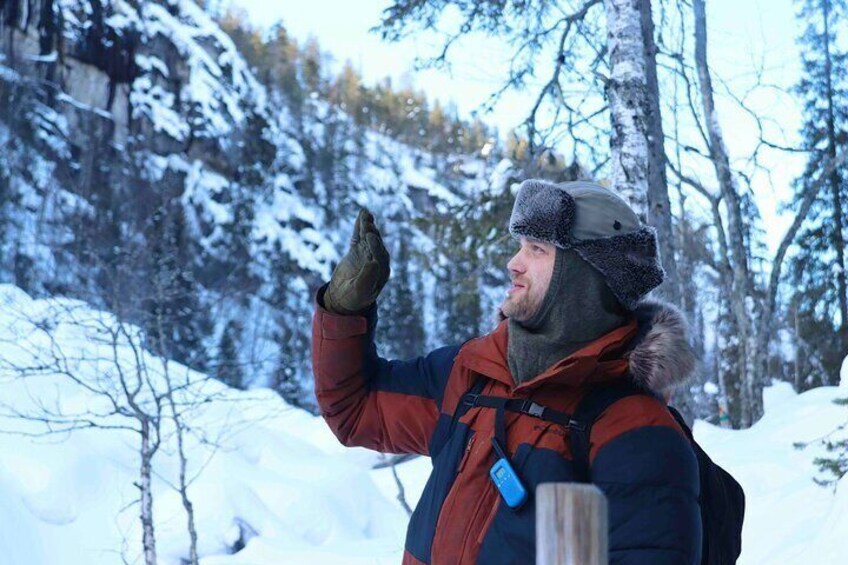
(598, 225)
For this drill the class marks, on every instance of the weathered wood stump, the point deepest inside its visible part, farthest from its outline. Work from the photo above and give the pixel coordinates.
(571, 525)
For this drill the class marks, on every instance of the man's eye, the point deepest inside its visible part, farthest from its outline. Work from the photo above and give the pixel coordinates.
(538, 249)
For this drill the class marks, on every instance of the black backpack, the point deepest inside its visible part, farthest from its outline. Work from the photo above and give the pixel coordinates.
(722, 500)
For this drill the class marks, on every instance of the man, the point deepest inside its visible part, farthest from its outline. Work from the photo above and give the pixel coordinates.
(574, 318)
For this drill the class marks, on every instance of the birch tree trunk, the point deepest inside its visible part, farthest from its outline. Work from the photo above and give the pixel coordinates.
(628, 102)
(741, 280)
(145, 486)
(180, 429)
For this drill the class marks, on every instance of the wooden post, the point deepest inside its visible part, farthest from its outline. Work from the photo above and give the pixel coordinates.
(571, 525)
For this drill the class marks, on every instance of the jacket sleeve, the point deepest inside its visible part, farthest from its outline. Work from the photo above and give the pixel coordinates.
(647, 468)
(368, 401)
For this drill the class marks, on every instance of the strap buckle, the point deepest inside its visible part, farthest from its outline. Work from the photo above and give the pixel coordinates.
(576, 425)
(470, 399)
(530, 407)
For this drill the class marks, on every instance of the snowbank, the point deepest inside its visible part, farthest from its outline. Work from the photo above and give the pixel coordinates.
(785, 507)
(267, 473)
(275, 478)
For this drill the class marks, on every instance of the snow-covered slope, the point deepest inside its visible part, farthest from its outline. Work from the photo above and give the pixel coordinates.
(789, 518)
(267, 473)
(274, 477)
(121, 109)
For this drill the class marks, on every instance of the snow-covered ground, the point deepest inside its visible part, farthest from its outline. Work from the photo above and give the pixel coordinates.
(275, 476)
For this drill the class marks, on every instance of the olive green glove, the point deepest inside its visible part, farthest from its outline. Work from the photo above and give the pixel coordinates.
(362, 273)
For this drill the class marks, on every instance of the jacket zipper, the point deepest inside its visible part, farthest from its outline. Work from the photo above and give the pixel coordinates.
(465, 455)
(448, 505)
(464, 547)
(488, 522)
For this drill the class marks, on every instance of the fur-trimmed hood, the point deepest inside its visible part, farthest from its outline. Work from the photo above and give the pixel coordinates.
(660, 355)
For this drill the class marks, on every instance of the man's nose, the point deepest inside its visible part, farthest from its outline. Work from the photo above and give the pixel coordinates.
(515, 265)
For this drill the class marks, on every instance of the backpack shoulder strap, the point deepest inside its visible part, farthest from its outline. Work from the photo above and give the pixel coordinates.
(466, 401)
(591, 406)
(682, 423)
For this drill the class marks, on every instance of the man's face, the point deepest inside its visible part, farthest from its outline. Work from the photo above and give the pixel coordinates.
(530, 269)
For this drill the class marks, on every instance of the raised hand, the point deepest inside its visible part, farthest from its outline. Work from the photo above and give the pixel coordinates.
(363, 271)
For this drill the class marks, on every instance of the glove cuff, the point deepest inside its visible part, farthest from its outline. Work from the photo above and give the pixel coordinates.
(327, 300)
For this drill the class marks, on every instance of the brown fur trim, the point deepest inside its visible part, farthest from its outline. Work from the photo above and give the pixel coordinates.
(661, 357)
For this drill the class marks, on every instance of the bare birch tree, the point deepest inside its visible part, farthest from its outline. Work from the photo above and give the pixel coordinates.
(628, 103)
(117, 376)
(129, 390)
(637, 143)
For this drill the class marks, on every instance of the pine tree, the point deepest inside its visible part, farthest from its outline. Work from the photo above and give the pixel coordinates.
(401, 323)
(292, 364)
(820, 302)
(312, 67)
(229, 266)
(294, 329)
(348, 92)
(818, 271)
(228, 368)
(175, 321)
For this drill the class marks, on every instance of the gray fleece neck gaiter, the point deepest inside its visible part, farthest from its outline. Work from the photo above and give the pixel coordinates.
(578, 308)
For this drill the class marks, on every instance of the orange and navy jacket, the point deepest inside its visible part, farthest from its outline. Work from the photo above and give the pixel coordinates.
(639, 456)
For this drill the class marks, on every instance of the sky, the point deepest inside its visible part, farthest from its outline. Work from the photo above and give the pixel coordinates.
(749, 39)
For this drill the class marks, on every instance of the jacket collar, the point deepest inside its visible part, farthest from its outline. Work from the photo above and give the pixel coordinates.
(652, 347)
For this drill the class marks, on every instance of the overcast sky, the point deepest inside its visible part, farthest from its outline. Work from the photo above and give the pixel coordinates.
(744, 35)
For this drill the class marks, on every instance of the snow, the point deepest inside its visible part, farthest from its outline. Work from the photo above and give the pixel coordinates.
(414, 177)
(274, 472)
(843, 375)
(48, 58)
(158, 105)
(785, 508)
(217, 94)
(201, 187)
(275, 476)
(501, 175)
(148, 63)
(710, 388)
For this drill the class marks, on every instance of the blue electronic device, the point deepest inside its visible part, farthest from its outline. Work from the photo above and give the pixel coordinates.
(506, 479)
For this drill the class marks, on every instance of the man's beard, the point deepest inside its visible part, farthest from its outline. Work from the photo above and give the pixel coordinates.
(521, 309)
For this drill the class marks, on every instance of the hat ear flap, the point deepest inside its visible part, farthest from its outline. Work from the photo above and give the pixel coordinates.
(629, 262)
